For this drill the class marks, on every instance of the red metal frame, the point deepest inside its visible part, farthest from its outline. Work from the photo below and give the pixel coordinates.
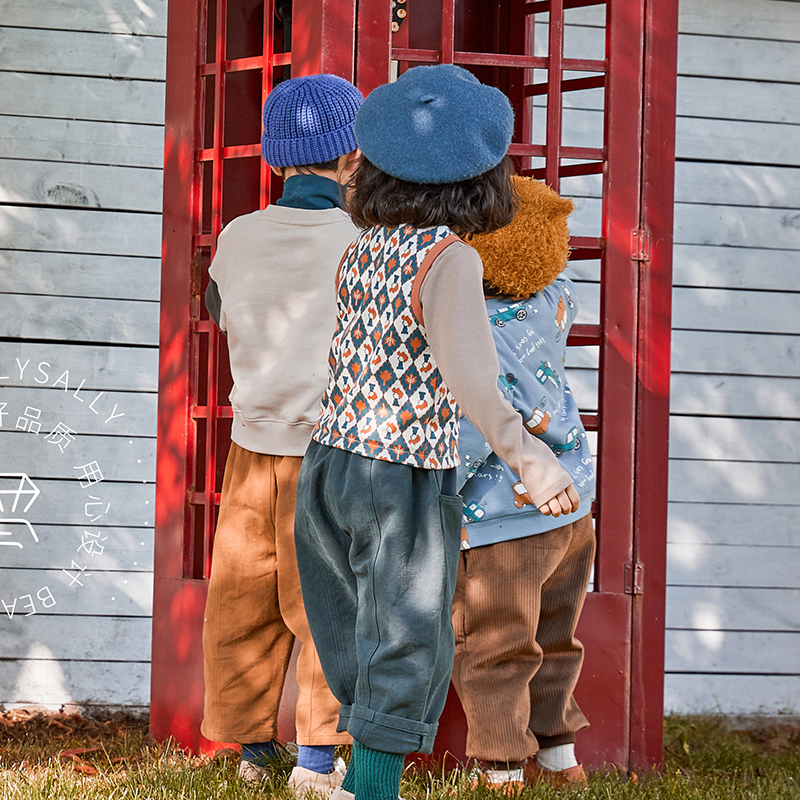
(194, 377)
(169, 716)
(653, 375)
(623, 622)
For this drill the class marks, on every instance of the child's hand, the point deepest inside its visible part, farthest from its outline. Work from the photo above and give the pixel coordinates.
(564, 502)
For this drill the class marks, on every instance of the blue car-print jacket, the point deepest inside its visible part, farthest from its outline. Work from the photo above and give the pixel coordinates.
(531, 340)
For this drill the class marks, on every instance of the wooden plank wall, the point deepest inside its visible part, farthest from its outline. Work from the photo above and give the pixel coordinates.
(734, 525)
(81, 150)
(80, 192)
(733, 618)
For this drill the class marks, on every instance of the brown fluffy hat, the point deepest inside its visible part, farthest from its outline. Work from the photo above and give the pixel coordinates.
(530, 252)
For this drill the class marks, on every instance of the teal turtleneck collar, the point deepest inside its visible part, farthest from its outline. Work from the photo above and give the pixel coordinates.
(311, 192)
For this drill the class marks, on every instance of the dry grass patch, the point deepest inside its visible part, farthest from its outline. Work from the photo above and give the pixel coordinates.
(70, 757)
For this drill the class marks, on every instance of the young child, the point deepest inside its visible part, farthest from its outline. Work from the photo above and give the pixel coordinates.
(522, 576)
(272, 292)
(378, 518)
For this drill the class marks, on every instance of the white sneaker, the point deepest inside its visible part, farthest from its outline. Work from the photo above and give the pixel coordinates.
(304, 781)
(252, 773)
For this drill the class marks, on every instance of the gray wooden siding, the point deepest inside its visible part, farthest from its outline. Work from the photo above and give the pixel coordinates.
(733, 615)
(81, 151)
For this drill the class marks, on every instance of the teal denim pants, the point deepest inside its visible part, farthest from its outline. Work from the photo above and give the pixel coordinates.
(377, 549)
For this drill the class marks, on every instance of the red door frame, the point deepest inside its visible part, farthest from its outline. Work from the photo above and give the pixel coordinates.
(653, 254)
(622, 682)
(193, 405)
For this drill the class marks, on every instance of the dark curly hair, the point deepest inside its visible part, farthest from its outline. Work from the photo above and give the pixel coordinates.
(482, 204)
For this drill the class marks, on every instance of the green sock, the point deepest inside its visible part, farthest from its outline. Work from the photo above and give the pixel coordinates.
(349, 782)
(378, 773)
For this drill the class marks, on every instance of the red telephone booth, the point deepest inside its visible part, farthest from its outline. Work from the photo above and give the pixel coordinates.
(595, 121)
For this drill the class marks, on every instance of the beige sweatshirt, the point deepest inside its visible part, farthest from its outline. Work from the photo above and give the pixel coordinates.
(275, 270)
(461, 341)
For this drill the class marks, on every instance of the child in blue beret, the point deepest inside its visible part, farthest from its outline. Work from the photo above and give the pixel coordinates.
(522, 575)
(378, 515)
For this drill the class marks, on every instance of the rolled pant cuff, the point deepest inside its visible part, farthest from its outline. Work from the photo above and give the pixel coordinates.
(238, 737)
(387, 732)
(555, 741)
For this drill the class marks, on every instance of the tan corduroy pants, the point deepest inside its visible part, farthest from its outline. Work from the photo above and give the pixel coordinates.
(517, 660)
(255, 610)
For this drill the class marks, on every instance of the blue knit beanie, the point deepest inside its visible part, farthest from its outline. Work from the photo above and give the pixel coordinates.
(435, 124)
(309, 120)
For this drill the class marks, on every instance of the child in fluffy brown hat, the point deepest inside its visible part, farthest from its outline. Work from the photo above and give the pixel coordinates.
(522, 576)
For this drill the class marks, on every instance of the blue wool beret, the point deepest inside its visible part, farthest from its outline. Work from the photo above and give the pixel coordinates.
(309, 120)
(436, 124)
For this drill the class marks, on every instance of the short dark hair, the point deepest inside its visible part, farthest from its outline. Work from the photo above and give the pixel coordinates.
(482, 204)
(308, 169)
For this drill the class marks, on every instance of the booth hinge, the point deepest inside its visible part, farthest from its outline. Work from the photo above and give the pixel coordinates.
(634, 577)
(640, 245)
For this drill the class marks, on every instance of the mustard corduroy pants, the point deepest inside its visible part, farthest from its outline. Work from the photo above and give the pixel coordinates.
(254, 611)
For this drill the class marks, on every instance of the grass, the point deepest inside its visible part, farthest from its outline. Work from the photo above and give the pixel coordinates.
(66, 757)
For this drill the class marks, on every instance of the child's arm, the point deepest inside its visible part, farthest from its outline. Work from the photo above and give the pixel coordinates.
(212, 296)
(213, 301)
(461, 341)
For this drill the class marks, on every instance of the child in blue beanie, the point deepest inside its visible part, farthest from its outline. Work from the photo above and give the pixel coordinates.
(378, 518)
(271, 291)
(522, 575)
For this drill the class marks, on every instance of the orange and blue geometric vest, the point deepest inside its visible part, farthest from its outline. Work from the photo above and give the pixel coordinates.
(385, 397)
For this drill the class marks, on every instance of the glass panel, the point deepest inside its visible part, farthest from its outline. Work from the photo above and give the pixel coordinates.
(240, 187)
(586, 192)
(211, 31)
(282, 36)
(584, 33)
(206, 176)
(194, 551)
(225, 382)
(587, 99)
(245, 26)
(201, 396)
(584, 357)
(424, 22)
(199, 481)
(223, 442)
(207, 98)
(538, 111)
(242, 108)
(582, 128)
(205, 260)
(587, 15)
(585, 271)
(583, 384)
(541, 32)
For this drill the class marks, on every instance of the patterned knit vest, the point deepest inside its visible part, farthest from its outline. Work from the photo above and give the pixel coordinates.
(385, 397)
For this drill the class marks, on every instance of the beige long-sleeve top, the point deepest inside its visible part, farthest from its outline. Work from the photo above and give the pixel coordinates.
(461, 340)
(275, 270)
